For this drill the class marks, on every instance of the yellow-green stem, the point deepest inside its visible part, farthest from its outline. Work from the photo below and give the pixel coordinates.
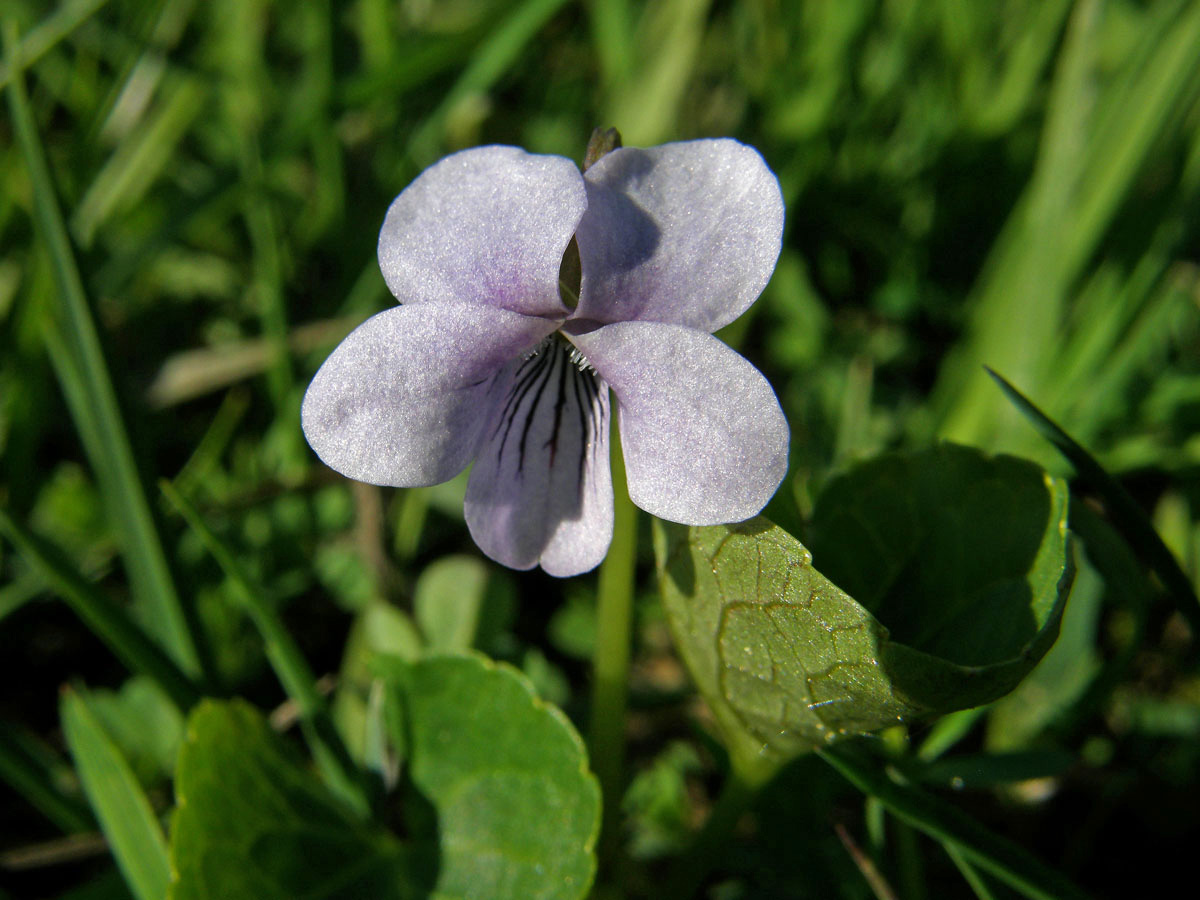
(610, 669)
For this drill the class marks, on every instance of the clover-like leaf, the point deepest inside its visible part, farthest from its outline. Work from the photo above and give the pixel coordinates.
(252, 824)
(513, 811)
(961, 564)
(498, 802)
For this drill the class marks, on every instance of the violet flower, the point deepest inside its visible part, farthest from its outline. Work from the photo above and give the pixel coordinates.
(484, 362)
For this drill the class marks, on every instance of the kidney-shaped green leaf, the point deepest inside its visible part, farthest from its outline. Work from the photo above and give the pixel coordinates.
(252, 824)
(498, 802)
(513, 810)
(962, 567)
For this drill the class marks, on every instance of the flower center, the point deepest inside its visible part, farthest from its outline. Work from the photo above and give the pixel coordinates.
(557, 342)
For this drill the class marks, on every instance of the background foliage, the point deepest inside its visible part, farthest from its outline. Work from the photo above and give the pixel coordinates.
(1011, 183)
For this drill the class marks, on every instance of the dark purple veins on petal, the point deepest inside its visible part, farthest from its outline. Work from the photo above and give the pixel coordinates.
(549, 375)
(531, 410)
(535, 366)
(589, 411)
(559, 402)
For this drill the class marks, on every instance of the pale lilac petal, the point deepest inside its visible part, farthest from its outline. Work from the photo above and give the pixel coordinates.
(683, 233)
(704, 439)
(541, 490)
(402, 399)
(487, 225)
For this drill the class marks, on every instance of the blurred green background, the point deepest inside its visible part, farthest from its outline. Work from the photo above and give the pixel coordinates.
(1011, 183)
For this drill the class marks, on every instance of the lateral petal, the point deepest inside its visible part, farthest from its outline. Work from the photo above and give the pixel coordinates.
(402, 399)
(685, 233)
(541, 489)
(488, 226)
(704, 439)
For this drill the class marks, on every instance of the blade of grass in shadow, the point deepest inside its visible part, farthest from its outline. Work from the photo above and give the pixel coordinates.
(943, 822)
(1125, 586)
(910, 863)
(126, 817)
(93, 399)
(972, 877)
(1127, 517)
(865, 865)
(26, 774)
(103, 618)
(328, 750)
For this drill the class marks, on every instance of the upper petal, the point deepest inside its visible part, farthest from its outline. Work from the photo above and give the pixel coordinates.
(704, 439)
(402, 399)
(684, 233)
(487, 225)
(541, 490)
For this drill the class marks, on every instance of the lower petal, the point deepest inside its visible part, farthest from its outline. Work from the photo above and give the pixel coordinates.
(402, 400)
(541, 488)
(704, 439)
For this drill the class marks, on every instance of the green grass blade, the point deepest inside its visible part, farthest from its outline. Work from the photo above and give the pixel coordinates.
(95, 408)
(141, 157)
(646, 110)
(1127, 517)
(215, 440)
(1017, 302)
(488, 63)
(373, 28)
(126, 818)
(612, 36)
(415, 63)
(984, 771)
(32, 779)
(1094, 148)
(52, 29)
(290, 667)
(108, 622)
(1134, 119)
(947, 731)
(1143, 338)
(943, 822)
(268, 272)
